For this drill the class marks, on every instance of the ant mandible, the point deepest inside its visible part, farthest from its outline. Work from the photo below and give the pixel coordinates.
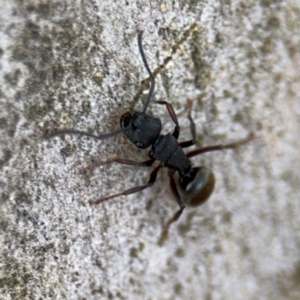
(194, 184)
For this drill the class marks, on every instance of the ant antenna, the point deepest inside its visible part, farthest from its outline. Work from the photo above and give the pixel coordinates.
(148, 70)
(108, 135)
(99, 137)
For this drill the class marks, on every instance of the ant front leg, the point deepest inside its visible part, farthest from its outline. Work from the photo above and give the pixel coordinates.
(136, 189)
(96, 163)
(177, 214)
(192, 127)
(124, 161)
(173, 116)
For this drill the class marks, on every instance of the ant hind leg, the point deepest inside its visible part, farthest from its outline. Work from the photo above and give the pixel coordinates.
(176, 216)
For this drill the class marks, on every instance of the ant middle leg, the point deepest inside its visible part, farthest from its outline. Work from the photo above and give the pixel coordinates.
(136, 189)
(220, 146)
(178, 213)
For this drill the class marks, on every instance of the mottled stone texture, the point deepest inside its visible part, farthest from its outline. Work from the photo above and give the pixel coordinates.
(75, 64)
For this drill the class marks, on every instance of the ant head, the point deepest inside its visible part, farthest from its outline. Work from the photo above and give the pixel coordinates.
(143, 129)
(197, 186)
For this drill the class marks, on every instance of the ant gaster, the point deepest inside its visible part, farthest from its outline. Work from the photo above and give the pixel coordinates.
(194, 185)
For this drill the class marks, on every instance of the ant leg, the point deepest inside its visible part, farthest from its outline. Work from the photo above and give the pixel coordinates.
(219, 147)
(178, 213)
(192, 127)
(136, 189)
(96, 163)
(124, 161)
(173, 116)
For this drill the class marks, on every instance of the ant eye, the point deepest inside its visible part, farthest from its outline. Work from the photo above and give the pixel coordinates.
(139, 144)
(197, 187)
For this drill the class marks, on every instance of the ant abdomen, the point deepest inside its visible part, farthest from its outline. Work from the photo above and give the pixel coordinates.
(198, 186)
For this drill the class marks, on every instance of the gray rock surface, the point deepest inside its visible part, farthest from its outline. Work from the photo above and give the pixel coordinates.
(75, 64)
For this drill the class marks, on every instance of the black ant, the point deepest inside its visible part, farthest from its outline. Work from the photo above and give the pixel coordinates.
(194, 184)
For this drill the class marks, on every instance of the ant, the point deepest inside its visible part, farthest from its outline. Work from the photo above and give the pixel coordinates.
(194, 185)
